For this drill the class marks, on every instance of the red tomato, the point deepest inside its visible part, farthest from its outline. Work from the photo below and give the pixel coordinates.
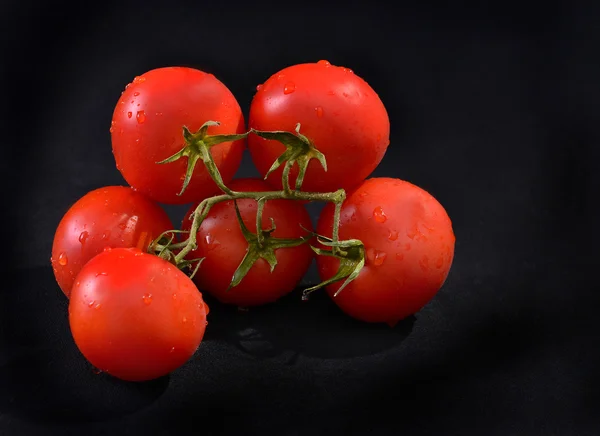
(409, 244)
(222, 244)
(147, 128)
(113, 216)
(135, 315)
(338, 111)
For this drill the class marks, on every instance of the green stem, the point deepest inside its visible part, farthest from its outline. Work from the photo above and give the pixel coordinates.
(259, 213)
(202, 210)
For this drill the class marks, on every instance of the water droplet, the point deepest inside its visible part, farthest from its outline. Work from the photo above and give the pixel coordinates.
(91, 303)
(324, 62)
(407, 246)
(63, 259)
(135, 94)
(101, 273)
(106, 249)
(400, 256)
(172, 350)
(205, 323)
(393, 235)
(363, 194)
(289, 87)
(129, 114)
(174, 296)
(147, 299)
(377, 257)
(184, 320)
(96, 371)
(319, 111)
(331, 92)
(138, 254)
(259, 87)
(138, 79)
(379, 215)
(305, 297)
(122, 225)
(82, 238)
(140, 116)
(106, 235)
(206, 308)
(411, 233)
(78, 283)
(439, 262)
(424, 263)
(98, 306)
(211, 243)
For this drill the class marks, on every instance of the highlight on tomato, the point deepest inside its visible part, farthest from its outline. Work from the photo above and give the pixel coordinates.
(339, 113)
(179, 116)
(238, 269)
(111, 216)
(134, 315)
(408, 243)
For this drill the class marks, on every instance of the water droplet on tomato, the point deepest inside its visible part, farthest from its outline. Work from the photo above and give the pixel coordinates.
(305, 297)
(319, 111)
(122, 225)
(206, 308)
(107, 248)
(324, 62)
(101, 273)
(147, 298)
(379, 215)
(363, 194)
(174, 296)
(129, 114)
(78, 283)
(376, 257)
(289, 87)
(211, 243)
(106, 235)
(407, 246)
(259, 87)
(63, 259)
(135, 94)
(424, 263)
(184, 320)
(411, 233)
(393, 235)
(331, 92)
(138, 79)
(400, 256)
(439, 262)
(91, 303)
(172, 350)
(82, 238)
(140, 116)
(97, 306)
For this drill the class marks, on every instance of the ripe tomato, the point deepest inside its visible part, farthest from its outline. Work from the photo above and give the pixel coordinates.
(338, 111)
(222, 244)
(135, 315)
(409, 244)
(147, 128)
(113, 216)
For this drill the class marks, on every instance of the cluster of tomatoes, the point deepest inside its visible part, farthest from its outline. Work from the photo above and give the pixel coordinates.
(133, 279)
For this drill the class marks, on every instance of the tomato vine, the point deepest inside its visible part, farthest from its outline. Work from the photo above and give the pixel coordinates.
(299, 151)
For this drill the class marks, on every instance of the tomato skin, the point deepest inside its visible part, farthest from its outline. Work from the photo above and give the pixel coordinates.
(338, 111)
(222, 244)
(147, 128)
(135, 315)
(113, 216)
(409, 244)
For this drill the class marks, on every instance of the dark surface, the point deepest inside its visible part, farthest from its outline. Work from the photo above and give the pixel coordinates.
(494, 110)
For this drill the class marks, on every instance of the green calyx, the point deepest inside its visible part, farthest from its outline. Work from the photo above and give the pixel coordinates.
(261, 245)
(351, 254)
(197, 147)
(299, 150)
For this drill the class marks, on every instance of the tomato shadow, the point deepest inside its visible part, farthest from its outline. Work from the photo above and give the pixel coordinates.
(291, 327)
(56, 386)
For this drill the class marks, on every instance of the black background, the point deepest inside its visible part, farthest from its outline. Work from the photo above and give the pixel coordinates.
(494, 109)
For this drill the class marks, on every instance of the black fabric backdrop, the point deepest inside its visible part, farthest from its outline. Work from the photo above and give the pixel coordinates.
(494, 109)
